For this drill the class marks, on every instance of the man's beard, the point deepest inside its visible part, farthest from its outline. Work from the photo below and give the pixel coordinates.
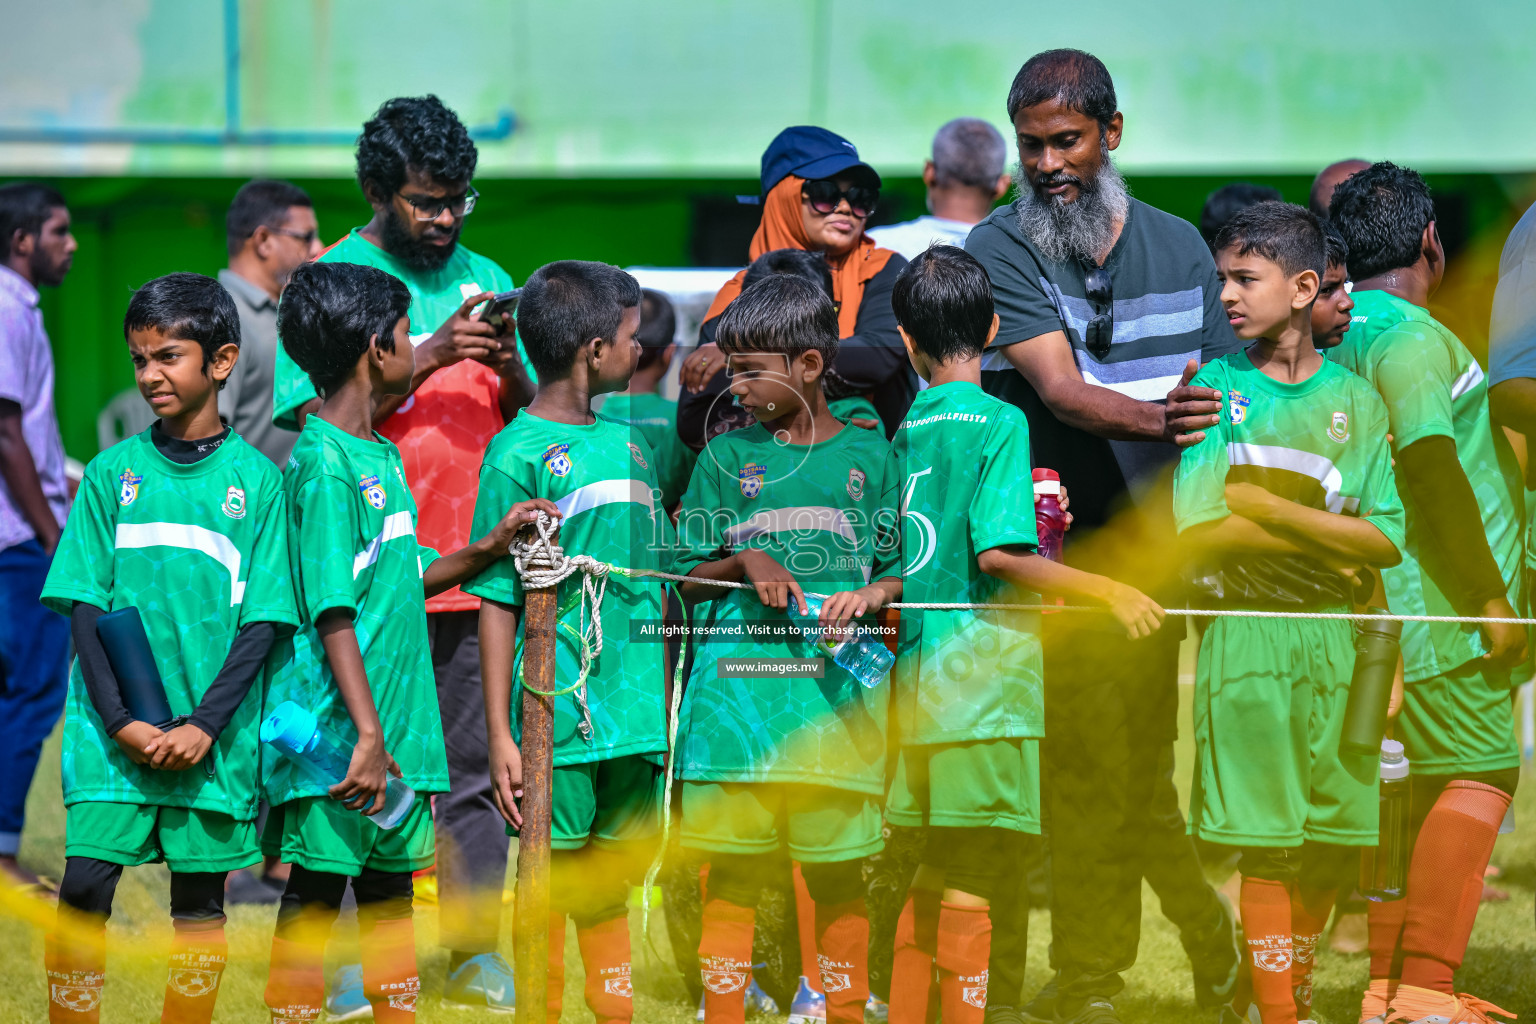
(46, 272)
(1082, 229)
(415, 253)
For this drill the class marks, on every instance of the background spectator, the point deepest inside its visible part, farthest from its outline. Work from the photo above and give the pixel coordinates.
(36, 248)
(270, 230)
(1327, 180)
(1225, 203)
(965, 176)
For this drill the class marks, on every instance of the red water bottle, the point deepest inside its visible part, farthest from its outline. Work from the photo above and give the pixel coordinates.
(1050, 520)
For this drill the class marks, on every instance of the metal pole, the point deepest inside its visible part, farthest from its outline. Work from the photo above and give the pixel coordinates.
(530, 941)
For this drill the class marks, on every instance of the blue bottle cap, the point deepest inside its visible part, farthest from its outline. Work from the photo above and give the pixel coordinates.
(289, 727)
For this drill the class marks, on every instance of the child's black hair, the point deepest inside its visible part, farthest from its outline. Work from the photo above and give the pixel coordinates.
(780, 313)
(943, 300)
(1337, 254)
(566, 304)
(1382, 212)
(328, 313)
(658, 326)
(1289, 236)
(191, 307)
(812, 266)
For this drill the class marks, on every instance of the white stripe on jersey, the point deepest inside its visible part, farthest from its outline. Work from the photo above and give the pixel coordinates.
(193, 538)
(1309, 464)
(396, 525)
(606, 492)
(1467, 381)
(793, 518)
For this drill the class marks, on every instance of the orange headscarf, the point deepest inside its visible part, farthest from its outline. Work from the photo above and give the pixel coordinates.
(783, 227)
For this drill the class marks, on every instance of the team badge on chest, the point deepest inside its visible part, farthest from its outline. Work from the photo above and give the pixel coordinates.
(372, 490)
(557, 459)
(128, 487)
(1339, 428)
(234, 503)
(1237, 407)
(751, 477)
(856, 480)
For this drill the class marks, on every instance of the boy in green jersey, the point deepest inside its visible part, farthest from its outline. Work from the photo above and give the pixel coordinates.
(1284, 500)
(1461, 490)
(578, 322)
(360, 662)
(968, 692)
(799, 498)
(186, 523)
(641, 404)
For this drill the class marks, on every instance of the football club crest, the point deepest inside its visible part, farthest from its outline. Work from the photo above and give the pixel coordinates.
(372, 490)
(234, 503)
(722, 975)
(619, 984)
(634, 450)
(1237, 407)
(76, 998)
(856, 480)
(128, 488)
(751, 477)
(974, 994)
(1339, 428)
(192, 983)
(557, 459)
(835, 976)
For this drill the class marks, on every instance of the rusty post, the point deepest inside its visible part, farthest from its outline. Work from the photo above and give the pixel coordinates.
(530, 940)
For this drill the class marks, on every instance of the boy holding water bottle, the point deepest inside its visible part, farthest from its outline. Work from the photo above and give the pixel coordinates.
(799, 501)
(185, 526)
(968, 696)
(1283, 505)
(360, 662)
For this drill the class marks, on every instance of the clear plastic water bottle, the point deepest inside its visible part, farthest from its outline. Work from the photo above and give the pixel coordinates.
(1384, 867)
(864, 655)
(294, 732)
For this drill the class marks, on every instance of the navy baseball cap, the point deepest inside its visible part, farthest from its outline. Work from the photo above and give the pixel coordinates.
(810, 152)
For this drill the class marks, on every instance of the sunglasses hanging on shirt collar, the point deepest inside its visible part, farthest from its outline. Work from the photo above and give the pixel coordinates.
(1100, 331)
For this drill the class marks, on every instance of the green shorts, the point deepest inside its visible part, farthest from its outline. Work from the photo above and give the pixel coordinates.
(821, 825)
(1462, 721)
(604, 802)
(320, 834)
(186, 838)
(976, 784)
(1270, 696)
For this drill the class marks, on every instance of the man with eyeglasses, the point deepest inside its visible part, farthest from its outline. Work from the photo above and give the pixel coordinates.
(415, 160)
(270, 230)
(1107, 308)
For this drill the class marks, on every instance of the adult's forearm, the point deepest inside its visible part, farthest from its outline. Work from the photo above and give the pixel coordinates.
(1513, 404)
(1103, 412)
(1442, 496)
(22, 483)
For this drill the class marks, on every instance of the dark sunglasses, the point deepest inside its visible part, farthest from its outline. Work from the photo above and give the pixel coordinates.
(824, 197)
(1101, 329)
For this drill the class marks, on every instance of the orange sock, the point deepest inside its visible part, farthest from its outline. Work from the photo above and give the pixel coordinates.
(725, 960)
(1385, 921)
(964, 947)
(554, 1000)
(1445, 881)
(1267, 928)
(605, 954)
(1309, 916)
(805, 924)
(842, 958)
(296, 980)
(197, 963)
(75, 959)
(388, 949)
(913, 993)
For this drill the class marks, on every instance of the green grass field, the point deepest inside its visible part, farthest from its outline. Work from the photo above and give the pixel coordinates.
(1500, 965)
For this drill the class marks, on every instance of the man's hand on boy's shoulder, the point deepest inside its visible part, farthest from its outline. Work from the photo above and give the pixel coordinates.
(460, 337)
(1188, 410)
(182, 747)
(773, 582)
(134, 737)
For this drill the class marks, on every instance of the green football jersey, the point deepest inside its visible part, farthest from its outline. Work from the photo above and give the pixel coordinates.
(1321, 443)
(827, 513)
(435, 296)
(200, 550)
(352, 534)
(656, 418)
(602, 476)
(965, 467)
(1433, 387)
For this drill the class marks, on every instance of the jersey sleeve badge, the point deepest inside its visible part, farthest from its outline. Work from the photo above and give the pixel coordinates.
(128, 487)
(1237, 407)
(856, 480)
(751, 477)
(557, 459)
(234, 503)
(372, 490)
(634, 450)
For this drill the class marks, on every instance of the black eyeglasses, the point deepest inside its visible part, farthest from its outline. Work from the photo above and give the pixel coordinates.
(307, 237)
(430, 209)
(1100, 331)
(824, 197)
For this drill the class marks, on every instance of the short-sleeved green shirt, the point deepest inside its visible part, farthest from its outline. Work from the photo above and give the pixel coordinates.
(1321, 443)
(602, 476)
(1434, 387)
(827, 513)
(352, 534)
(200, 550)
(656, 418)
(966, 488)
